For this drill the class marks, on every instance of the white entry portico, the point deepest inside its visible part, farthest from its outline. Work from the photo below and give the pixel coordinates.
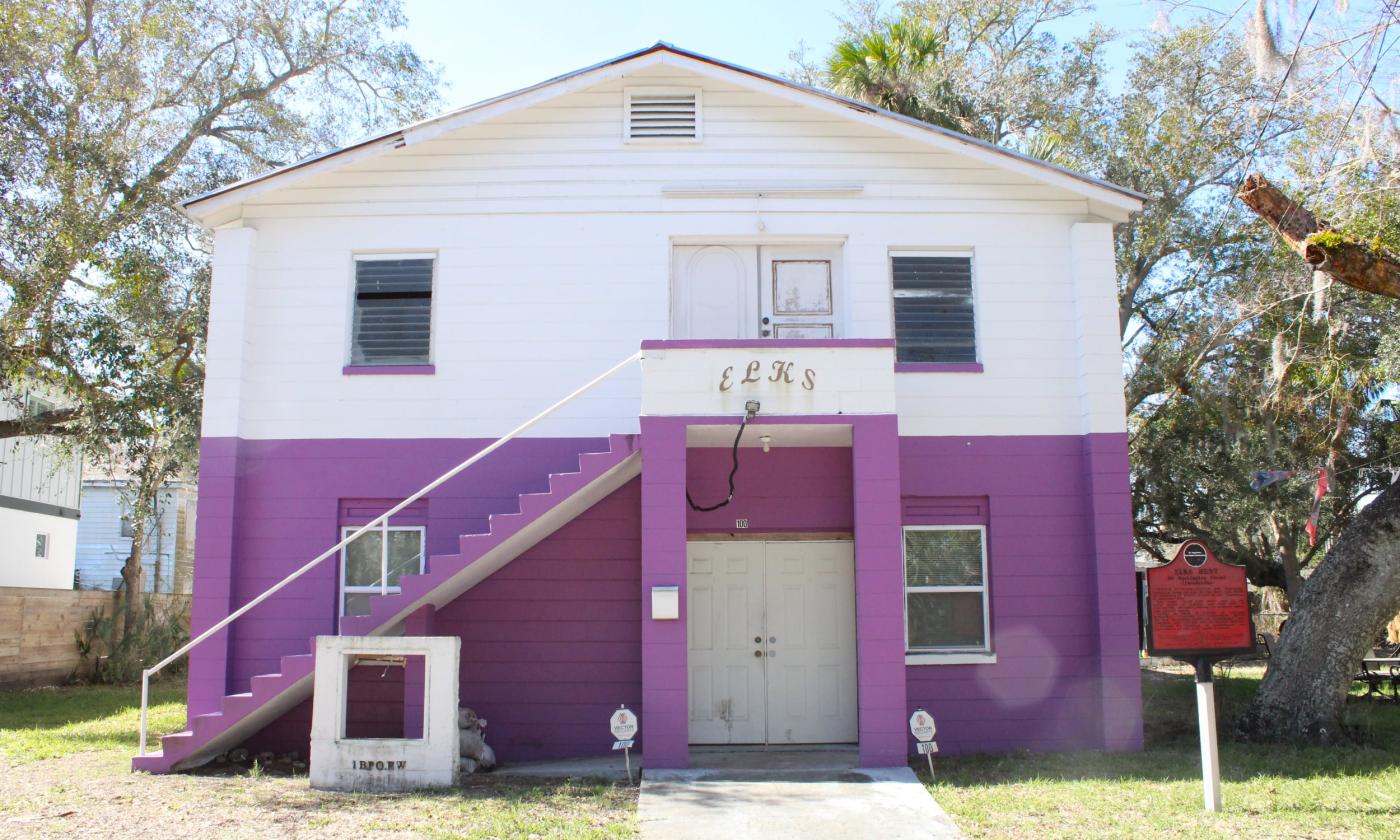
(772, 642)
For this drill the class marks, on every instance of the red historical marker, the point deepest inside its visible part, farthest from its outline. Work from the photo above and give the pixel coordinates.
(1198, 609)
(1197, 606)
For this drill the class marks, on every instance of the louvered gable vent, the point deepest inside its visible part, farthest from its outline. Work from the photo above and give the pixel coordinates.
(656, 115)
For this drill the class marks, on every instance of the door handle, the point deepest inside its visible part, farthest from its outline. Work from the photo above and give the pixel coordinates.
(758, 654)
(758, 640)
(765, 320)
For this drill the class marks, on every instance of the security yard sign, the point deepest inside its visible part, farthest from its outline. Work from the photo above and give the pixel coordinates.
(1197, 606)
(1198, 610)
(624, 730)
(922, 727)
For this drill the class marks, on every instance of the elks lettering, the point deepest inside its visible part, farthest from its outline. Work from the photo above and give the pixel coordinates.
(780, 374)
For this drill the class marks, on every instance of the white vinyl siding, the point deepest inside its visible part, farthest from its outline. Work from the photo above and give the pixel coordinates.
(934, 318)
(554, 240)
(393, 310)
(369, 568)
(945, 589)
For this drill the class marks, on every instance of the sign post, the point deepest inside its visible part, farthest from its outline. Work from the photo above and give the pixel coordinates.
(624, 729)
(1198, 612)
(923, 728)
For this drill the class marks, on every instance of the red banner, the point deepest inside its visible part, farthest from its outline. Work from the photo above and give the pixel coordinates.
(1197, 606)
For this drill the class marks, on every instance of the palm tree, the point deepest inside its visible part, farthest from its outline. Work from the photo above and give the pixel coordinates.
(893, 69)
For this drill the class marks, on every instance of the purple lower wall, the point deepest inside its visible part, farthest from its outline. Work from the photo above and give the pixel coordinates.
(274, 505)
(551, 644)
(1046, 690)
(557, 638)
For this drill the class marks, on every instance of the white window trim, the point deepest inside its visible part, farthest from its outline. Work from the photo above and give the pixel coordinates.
(951, 655)
(972, 289)
(373, 256)
(347, 530)
(629, 92)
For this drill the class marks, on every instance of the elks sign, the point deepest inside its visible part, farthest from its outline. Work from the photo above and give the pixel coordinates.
(1197, 606)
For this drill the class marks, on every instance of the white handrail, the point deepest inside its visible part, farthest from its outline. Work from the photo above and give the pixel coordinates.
(381, 519)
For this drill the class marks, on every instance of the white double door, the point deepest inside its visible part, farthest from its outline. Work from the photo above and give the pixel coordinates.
(752, 291)
(772, 638)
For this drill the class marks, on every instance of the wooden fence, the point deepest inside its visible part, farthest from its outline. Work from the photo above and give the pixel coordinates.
(36, 632)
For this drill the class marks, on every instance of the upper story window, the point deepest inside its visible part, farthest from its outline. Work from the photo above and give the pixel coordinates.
(933, 307)
(661, 115)
(393, 309)
(945, 588)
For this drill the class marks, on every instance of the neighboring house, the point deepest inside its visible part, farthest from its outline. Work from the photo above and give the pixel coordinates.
(105, 531)
(39, 489)
(931, 507)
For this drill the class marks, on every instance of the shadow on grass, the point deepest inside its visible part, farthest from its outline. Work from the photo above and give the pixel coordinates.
(1172, 749)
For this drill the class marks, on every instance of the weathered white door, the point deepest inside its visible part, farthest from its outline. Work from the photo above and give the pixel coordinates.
(746, 291)
(811, 679)
(724, 592)
(772, 642)
(798, 287)
(714, 291)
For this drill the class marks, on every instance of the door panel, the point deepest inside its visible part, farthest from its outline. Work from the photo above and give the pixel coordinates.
(798, 598)
(724, 595)
(714, 291)
(811, 642)
(799, 291)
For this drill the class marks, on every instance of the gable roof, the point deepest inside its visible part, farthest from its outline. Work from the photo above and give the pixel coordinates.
(1119, 201)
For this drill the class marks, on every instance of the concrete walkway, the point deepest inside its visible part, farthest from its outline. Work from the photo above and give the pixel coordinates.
(791, 795)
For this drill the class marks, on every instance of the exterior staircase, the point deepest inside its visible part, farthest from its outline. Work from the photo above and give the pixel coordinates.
(447, 576)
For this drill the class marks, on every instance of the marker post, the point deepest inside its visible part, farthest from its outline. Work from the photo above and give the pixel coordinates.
(1210, 748)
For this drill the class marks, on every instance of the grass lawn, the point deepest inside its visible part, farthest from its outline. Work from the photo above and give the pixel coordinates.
(65, 755)
(1267, 791)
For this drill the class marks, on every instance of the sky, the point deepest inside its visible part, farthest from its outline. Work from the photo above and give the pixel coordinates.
(489, 48)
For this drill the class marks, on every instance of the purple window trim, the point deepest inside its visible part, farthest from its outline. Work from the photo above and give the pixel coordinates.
(764, 343)
(389, 370)
(937, 367)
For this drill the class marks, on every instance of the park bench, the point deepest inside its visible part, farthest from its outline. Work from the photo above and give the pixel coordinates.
(1376, 673)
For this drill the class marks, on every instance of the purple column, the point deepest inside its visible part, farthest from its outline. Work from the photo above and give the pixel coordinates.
(415, 671)
(665, 711)
(213, 572)
(879, 592)
(1111, 530)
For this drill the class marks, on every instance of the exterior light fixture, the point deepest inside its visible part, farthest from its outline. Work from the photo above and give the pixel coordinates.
(766, 440)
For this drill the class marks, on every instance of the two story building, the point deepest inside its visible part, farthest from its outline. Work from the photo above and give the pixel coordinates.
(872, 456)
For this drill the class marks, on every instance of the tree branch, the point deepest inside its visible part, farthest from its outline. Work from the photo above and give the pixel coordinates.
(1356, 264)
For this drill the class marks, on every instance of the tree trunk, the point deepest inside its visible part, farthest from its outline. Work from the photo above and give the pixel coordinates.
(1335, 619)
(133, 574)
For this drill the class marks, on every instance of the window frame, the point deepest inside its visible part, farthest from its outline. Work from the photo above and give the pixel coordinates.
(357, 257)
(964, 653)
(347, 530)
(47, 540)
(974, 366)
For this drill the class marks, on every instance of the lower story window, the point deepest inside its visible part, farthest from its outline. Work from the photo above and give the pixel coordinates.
(41, 546)
(369, 567)
(945, 589)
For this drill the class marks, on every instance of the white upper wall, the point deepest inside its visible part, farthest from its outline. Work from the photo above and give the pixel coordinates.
(553, 240)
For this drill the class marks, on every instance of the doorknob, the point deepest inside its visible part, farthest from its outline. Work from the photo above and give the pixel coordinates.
(772, 639)
(765, 320)
(758, 640)
(758, 654)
